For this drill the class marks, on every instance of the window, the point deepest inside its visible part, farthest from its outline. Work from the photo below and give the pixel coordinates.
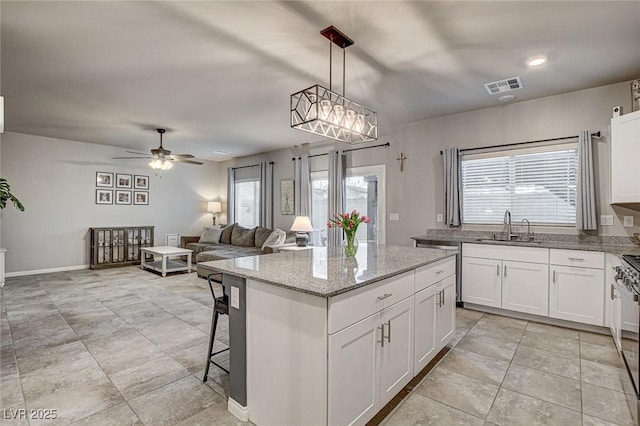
(247, 203)
(538, 184)
(364, 191)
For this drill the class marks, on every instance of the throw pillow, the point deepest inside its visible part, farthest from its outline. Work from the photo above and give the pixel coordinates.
(243, 237)
(211, 235)
(225, 238)
(262, 234)
(275, 238)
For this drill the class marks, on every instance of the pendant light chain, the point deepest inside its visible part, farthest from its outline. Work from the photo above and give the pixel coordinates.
(344, 63)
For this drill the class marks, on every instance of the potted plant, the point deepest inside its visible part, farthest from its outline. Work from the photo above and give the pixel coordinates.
(6, 195)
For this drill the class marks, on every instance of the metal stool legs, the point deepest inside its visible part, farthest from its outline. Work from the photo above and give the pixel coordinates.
(220, 306)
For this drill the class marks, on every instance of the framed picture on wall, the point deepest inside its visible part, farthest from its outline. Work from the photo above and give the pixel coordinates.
(104, 196)
(141, 198)
(123, 197)
(287, 197)
(123, 181)
(140, 182)
(104, 180)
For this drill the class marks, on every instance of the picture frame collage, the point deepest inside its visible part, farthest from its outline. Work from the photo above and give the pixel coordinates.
(122, 189)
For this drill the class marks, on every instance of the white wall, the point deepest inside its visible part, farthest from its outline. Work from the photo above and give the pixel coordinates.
(416, 194)
(55, 180)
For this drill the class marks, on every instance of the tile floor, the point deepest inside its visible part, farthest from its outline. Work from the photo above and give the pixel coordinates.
(504, 371)
(124, 346)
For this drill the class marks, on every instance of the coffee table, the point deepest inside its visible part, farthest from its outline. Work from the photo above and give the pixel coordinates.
(165, 265)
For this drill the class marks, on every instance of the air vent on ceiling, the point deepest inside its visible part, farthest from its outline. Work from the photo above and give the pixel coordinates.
(506, 85)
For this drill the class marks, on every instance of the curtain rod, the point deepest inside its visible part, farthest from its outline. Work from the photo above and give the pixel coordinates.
(246, 167)
(595, 135)
(348, 150)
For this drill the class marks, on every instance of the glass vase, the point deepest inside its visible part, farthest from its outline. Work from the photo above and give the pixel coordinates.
(350, 244)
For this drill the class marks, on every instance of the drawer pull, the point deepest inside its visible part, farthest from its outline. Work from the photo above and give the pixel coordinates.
(577, 258)
(384, 296)
(381, 341)
(439, 271)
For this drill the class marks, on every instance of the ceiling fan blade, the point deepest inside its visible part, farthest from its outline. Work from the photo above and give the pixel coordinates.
(182, 156)
(130, 158)
(188, 161)
(136, 152)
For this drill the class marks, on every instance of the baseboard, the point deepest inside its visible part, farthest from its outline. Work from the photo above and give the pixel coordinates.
(45, 271)
(242, 413)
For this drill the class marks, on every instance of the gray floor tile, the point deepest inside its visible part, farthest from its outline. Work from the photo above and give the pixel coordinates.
(496, 331)
(597, 339)
(550, 362)
(11, 395)
(159, 407)
(74, 396)
(545, 386)
(172, 333)
(140, 379)
(608, 404)
(474, 365)
(120, 414)
(141, 312)
(602, 354)
(588, 420)
(488, 346)
(215, 415)
(512, 408)
(547, 329)
(564, 346)
(420, 410)
(70, 358)
(607, 376)
(459, 391)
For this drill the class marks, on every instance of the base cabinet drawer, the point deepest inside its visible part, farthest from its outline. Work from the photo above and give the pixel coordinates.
(584, 259)
(577, 294)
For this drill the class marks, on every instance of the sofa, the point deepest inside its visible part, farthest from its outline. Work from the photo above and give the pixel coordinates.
(235, 241)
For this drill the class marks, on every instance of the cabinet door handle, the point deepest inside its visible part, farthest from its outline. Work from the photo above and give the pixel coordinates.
(384, 296)
(554, 276)
(389, 332)
(505, 270)
(613, 296)
(442, 293)
(381, 341)
(498, 270)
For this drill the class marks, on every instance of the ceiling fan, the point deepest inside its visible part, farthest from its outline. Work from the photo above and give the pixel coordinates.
(161, 158)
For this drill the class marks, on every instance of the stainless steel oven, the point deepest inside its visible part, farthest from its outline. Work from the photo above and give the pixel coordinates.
(627, 282)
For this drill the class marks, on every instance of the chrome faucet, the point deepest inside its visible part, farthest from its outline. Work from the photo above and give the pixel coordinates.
(507, 221)
(529, 233)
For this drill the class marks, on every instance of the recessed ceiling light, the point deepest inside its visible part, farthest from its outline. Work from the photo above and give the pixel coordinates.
(536, 61)
(506, 98)
(219, 152)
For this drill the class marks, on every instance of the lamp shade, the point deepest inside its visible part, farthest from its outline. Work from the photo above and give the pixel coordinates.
(302, 224)
(214, 207)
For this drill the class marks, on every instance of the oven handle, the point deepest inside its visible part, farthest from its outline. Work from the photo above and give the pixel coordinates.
(624, 291)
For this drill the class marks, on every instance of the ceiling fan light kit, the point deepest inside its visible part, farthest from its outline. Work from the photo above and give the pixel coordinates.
(161, 158)
(323, 112)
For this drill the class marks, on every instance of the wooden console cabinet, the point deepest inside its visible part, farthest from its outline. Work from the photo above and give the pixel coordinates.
(118, 246)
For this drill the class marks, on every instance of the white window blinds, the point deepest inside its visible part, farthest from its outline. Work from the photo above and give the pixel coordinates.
(538, 184)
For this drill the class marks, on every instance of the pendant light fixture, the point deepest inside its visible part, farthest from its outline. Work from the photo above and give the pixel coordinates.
(323, 112)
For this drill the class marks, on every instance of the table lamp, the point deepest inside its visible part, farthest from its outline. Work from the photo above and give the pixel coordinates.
(302, 225)
(214, 207)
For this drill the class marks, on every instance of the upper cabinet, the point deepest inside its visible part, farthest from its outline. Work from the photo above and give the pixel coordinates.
(624, 166)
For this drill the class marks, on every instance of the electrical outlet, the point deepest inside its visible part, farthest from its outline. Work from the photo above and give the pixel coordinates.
(628, 222)
(394, 216)
(606, 220)
(235, 297)
(439, 218)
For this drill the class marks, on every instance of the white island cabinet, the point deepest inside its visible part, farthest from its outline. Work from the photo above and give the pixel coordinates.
(332, 341)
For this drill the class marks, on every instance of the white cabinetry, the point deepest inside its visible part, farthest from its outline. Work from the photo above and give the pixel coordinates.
(577, 292)
(514, 278)
(613, 317)
(446, 312)
(625, 150)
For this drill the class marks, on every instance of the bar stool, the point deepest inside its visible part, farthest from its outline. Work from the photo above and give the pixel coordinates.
(220, 306)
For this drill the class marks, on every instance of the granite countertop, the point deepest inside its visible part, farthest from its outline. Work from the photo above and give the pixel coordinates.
(324, 272)
(617, 249)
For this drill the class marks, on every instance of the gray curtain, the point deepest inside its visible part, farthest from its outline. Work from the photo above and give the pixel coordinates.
(586, 209)
(266, 194)
(231, 185)
(452, 208)
(337, 172)
(302, 186)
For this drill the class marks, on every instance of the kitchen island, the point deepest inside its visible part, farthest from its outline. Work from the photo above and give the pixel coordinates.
(320, 339)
